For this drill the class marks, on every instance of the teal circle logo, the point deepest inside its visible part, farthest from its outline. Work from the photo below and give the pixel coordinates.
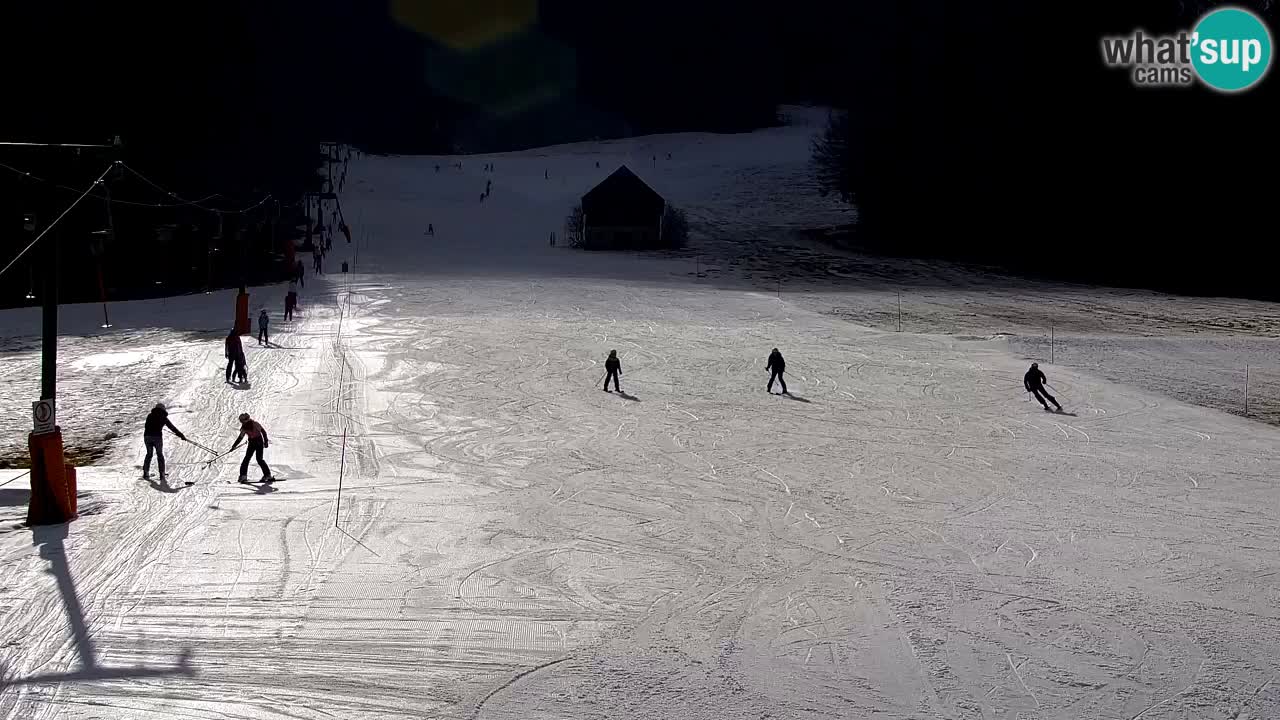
(1231, 49)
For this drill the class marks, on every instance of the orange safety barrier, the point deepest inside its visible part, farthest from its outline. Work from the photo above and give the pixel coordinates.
(242, 313)
(53, 481)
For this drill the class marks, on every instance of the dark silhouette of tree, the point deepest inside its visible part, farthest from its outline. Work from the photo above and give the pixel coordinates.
(994, 132)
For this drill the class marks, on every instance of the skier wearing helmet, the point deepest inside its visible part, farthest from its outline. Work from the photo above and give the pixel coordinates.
(153, 438)
(613, 368)
(1034, 382)
(776, 366)
(257, 443)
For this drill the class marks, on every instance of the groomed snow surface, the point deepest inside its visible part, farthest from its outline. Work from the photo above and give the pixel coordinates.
(908, 536)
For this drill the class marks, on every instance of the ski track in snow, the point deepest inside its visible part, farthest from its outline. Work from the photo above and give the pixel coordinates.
(915, 541)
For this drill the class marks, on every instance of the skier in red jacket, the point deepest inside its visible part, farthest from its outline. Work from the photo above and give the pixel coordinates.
(258, 442)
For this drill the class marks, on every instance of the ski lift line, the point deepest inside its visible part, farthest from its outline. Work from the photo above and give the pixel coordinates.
(72, 145)
(54, 224)
(68, 188)
(197, 203)
(15, 477)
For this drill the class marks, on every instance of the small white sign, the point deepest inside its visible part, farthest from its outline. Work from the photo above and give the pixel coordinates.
(44, 413)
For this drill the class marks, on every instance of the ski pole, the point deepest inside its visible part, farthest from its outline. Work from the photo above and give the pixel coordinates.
(220, 456)
(202, 447)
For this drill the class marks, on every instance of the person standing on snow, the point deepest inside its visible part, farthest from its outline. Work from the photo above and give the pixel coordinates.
(257, 443)
(316, 258)
(777, 365)
(299, 271)
(234, 352)
(1034, 382)
(431, 230)
(263, 321)
(613, 369)
(290, 300)
(153, 438)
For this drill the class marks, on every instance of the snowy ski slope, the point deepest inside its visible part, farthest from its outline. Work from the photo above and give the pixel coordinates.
(908, 537)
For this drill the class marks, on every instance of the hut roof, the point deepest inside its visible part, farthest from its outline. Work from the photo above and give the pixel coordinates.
(624, 185)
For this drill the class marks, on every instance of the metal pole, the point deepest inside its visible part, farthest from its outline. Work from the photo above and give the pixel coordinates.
(1050, 342)
(49, 340)
(342, 466)
(244, 285)
(102, 292)
(899, 311)
(1246, 390)
(208, 258)
(101, 250)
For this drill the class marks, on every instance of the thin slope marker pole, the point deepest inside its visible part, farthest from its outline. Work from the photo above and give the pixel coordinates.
(1050, 342)
(899, 311)
(1246, 390)
(342, 466)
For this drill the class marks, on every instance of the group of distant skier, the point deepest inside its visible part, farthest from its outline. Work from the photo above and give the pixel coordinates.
(233, 349)
(776, 366)
(236, 370)
(1034, 380)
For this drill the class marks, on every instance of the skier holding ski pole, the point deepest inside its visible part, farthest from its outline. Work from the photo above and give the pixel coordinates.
(612, 369)
(776, 367)
(153, 438)
(258, 441)
(1034, 382)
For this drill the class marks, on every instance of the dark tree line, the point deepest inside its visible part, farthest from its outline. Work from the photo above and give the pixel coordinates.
(993, 132)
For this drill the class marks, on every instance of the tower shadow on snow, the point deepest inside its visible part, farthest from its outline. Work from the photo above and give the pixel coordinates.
(51, 541)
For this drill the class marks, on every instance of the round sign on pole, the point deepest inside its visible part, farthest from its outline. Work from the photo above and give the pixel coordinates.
(43, 413)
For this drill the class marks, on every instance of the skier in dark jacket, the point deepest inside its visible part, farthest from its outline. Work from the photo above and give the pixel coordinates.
(234, 351)
(153, 438)
(776, 366)
(613, 369)
(258, 442)
(1034, 382)
(299, 274)
(263, 321)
